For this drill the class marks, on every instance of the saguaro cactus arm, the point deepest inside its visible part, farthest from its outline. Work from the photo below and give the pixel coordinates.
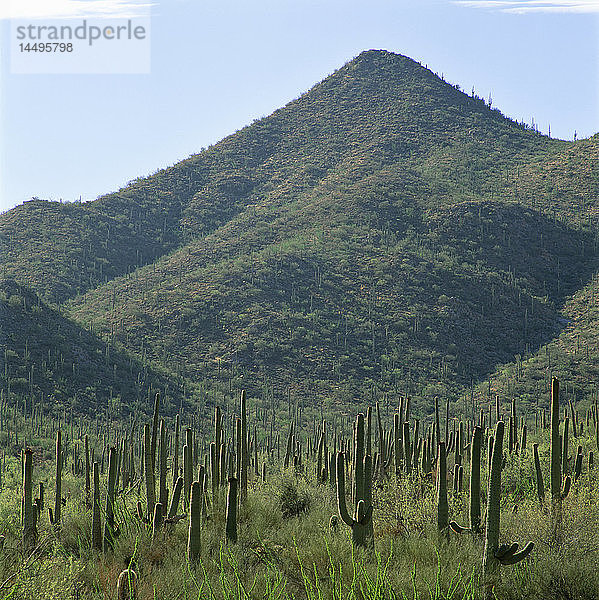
(342, 506)
(456, 528)
(512, 556)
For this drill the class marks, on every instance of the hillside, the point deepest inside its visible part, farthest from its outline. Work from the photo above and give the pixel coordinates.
(425, 310)
(53, 364)
(571, 355)
(384, 232)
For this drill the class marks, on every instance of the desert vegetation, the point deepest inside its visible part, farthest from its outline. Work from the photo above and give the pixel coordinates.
(379, 505)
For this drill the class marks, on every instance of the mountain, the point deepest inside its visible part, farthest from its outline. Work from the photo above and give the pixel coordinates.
(378, 110)
(382, 233)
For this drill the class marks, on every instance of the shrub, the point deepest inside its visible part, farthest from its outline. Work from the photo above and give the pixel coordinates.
(293, 503)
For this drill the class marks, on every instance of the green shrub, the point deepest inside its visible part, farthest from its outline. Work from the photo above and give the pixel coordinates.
(293, 502)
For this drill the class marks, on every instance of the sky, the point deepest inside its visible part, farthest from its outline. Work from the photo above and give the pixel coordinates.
(214, 66)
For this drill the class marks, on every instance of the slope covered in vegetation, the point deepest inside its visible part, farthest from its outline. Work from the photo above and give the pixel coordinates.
(384, 232)
(52, 364)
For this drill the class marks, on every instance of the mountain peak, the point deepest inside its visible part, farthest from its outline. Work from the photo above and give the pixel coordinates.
(385, 61)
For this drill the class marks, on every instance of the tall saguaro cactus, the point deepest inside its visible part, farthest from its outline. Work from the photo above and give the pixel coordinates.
(176, 449)
(442, 503)
(360, 521)
(29, 509)
(187, 464)
(109, 524)
(87, 471)
(231, 527)
(155, 429)
(162, 452)
(96, 519)
(557, 492)
(149, 473)
(475, 453)
(358, 489)
(245, 459)
(58, 494)
(194, 541)
(494, 554)
(217, 444)
(539, 474)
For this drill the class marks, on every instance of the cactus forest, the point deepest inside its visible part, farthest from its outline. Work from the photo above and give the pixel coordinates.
(348, 352)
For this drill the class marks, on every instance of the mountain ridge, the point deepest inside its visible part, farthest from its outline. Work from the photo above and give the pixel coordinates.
(194, 197)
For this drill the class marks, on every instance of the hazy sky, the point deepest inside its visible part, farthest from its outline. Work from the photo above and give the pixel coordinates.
(216, 65)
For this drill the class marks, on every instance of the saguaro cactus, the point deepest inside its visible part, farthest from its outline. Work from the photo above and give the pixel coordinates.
(29, 509)
(109, 524)
(565, 453)
(475, 452)
(231, 528)
(539, 474)
(96, 519)
(494, 554)
(194, 541)
(442, 504)
(214, 471)
(557, 492)
(245, 458)
(217, 444)
(155, 429)
(407, 450)
(361, 521)
(187, 467)
(149, 473)
(176, 449)
(55, 519)
(162, 472)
